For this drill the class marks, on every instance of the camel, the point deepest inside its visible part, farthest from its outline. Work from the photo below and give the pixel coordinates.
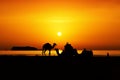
(66, 53)
(87, 53)
(73, 52)
(48, 46)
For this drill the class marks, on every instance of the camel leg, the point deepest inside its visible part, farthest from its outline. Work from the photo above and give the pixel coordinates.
(49, 52)
(43, 52)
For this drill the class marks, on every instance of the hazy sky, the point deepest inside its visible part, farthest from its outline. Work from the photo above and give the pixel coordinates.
(93, 24)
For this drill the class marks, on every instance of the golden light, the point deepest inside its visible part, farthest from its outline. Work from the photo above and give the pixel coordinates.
(59, 33)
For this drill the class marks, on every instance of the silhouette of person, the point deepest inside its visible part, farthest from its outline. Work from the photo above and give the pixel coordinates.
(108, 55)
(69, 50)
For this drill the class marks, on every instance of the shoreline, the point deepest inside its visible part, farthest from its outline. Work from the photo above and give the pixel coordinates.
(103, 53)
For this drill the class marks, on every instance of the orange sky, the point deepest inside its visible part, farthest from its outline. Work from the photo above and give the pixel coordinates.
(93, 24)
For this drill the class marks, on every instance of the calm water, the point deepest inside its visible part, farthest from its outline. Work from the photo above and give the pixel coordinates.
(39, 53)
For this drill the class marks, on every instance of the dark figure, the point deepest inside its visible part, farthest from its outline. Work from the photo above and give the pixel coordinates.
(67, 51)
(87, 53)
(48, 46)
(108, 55)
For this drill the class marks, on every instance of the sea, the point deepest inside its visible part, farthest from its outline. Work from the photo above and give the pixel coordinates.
(53, 53)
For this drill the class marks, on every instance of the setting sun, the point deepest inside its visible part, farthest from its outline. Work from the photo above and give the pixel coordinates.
(59, 33)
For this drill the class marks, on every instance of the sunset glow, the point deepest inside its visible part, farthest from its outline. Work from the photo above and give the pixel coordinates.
(94, 24)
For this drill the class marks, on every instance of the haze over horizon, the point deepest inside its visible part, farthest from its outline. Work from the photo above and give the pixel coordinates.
(92, 24)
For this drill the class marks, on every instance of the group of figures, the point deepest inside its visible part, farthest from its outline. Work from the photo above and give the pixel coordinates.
(67, 51)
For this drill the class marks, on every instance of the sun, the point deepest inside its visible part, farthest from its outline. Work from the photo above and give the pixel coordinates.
(59, 34)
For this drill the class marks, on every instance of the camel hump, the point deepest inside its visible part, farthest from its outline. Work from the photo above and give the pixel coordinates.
(46, 44)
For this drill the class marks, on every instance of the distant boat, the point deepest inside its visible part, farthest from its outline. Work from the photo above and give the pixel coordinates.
(23, 48)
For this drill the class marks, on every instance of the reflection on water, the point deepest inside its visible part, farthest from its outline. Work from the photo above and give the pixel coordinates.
(27, 53)
(53, 53)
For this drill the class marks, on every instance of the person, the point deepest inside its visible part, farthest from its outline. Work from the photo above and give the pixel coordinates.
(69, 50)
(108, 55)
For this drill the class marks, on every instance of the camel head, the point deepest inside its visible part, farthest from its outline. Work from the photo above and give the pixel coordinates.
(54, 44)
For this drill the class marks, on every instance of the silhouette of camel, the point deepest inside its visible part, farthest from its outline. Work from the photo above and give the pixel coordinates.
(74, 53)
(68, 51)
(47, 46)
(87, 53)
